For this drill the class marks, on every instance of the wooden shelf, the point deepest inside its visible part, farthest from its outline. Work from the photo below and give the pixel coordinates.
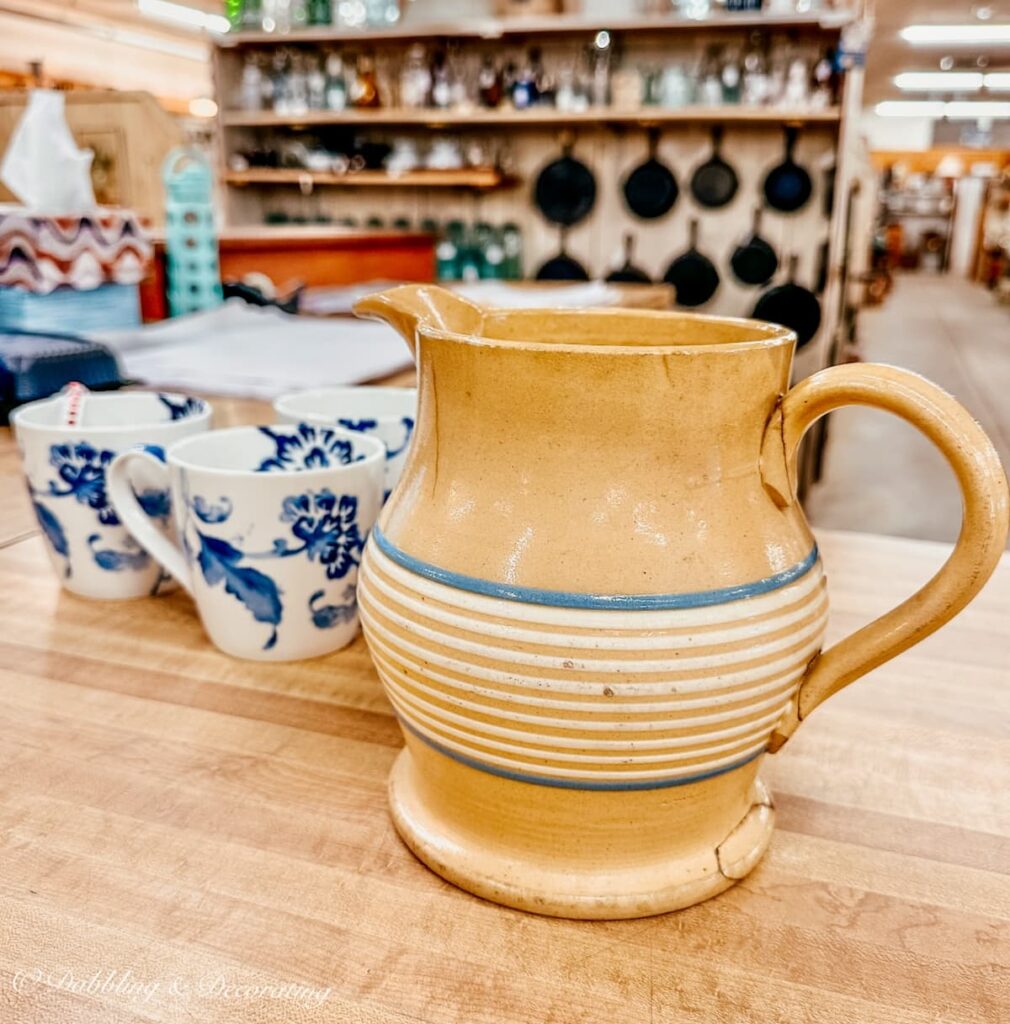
(484, 178)
(494, 28)
(531, 118)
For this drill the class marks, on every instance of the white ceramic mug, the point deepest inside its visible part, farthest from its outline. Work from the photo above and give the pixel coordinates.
(272, 521)
(388, 414)
(65, 467)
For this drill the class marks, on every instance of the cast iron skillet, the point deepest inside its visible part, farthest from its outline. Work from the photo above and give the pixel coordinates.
(787, 186)
(562, 267)
(565, 189)
(714, 183)
(692, 275)
(755, 261)
(650, 190)
(629, 273)
(791, 305)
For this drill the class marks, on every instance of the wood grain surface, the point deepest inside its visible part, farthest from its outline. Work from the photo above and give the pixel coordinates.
(189, 838)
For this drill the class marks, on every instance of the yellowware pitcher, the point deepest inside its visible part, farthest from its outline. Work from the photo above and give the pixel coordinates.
(595, 604)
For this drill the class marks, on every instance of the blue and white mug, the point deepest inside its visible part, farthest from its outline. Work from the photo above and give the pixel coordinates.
(65, 467)
(272, 522)
(388, 414)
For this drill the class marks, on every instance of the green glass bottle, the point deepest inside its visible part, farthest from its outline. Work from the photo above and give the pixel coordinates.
(320, 12)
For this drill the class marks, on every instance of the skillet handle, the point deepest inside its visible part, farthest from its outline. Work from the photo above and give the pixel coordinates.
(984, 523)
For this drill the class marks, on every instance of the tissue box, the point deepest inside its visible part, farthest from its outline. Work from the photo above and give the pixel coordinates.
(40, 253)
(68, 310)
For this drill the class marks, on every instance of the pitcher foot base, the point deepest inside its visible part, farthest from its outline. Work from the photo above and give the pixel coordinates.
(527, 881)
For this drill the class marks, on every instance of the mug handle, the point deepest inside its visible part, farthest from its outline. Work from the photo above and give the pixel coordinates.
(984, 522)
(136, 520)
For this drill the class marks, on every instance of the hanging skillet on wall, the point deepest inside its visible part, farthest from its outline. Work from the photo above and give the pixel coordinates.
(714, 183)
(565, 189)
(754, 261)
(792, 306)
(787, 186)
(629, 273)
(562, 267)
(651, 189)
(692, 274)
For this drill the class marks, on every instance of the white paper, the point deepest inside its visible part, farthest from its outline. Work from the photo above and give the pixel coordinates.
(43, 166)
(242, 350)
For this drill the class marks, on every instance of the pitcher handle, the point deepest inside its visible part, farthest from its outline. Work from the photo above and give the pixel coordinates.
(984, 524)
(133, 517)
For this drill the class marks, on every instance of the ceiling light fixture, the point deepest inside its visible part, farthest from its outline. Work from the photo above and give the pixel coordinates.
(955, 35)
(956, 110)
(910, 108)
(183, 15)
(948, 81)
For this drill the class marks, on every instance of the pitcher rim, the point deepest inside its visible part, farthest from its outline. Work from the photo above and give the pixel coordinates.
(775, 335)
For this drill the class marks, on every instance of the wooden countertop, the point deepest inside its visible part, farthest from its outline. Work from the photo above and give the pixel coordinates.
(175, 819)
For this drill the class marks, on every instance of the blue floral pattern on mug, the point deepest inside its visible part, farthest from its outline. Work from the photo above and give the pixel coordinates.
(326, 616)
(53, 530)
(209, 513)
(363, 426)
(309, 447)
(180, 410)
(327, 528)
(116, 561)
(81, 468)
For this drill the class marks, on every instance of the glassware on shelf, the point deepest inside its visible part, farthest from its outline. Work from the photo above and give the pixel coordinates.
(351, 14)
(755, 72)
(696, 10)
(320, 12)
(336, 86)
(524, 88)
(600, 54)
(415, 78)
(731, 78)
(250, 93)
(675, 88)
(709, 79)
(364, 91)
(441, 82)
(489, 83)
(379, 13)
(315, 83)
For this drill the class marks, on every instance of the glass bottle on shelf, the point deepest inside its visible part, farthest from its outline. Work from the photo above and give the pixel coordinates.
(710, 81)
(415, 78)
(297, 87)
(320, 12)
(543, 81)
(250, 93)
(512, 248)
(489, 83)
(315, 80)
(233, 12)
(251, 14)
(336, 87)
(365, 90)
(279, 82)
(755, 72)
(731, 78)
(524, 89)
(600, 57)
(298, 16)
(381, 13)
(441, 84)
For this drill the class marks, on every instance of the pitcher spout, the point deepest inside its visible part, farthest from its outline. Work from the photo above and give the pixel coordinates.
(412, 306)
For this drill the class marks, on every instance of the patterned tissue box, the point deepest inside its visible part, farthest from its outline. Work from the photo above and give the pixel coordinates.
(40, 253)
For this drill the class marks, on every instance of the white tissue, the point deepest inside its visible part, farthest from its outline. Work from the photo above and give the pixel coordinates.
(43, 166)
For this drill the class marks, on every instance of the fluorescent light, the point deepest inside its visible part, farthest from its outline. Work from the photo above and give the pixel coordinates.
(997, 80)
(181, 14)
(955, 35)
(968, 109)
(958, 110)
(910, 108)
(939, 81)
